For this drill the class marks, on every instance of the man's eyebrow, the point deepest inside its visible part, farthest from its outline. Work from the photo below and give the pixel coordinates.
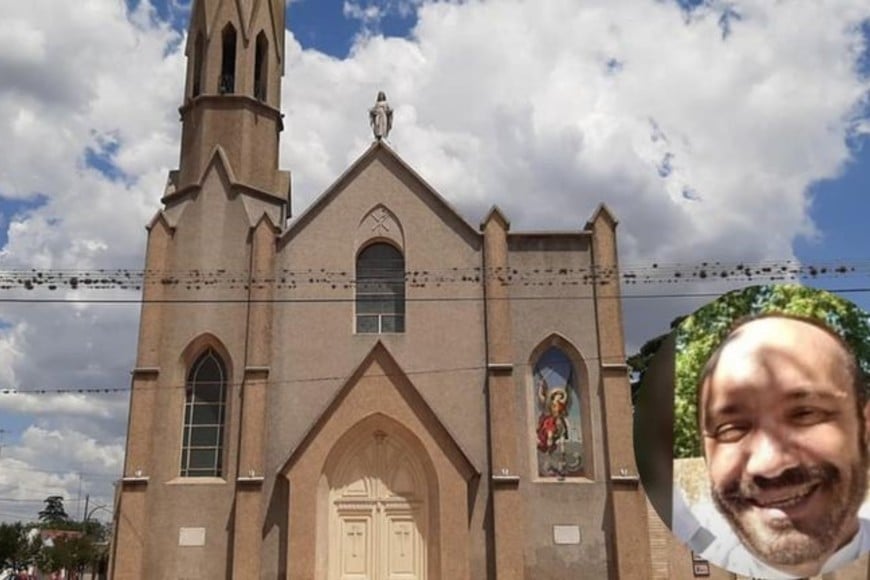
(726, 410)
(809, 393)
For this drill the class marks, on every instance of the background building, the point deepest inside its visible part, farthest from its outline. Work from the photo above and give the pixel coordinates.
(374, 388)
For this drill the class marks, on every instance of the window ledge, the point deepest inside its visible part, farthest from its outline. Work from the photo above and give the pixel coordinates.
(615, 366)
(555, 480)
(380, 333)
(629, 480)
(500, 367)
(197, 481)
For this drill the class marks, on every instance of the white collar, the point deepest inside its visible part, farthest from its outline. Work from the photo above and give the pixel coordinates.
(729, 552)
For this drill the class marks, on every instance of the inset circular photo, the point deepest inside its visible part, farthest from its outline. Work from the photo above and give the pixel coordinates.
(751, 432)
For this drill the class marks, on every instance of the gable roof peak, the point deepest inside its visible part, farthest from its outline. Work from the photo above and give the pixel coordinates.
(376, 149)
(602, 212)
(495, 213)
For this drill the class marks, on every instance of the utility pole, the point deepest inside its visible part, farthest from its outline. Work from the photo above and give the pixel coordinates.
(79, 498)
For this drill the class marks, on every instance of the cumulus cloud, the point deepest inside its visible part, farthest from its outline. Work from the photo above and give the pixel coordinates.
(689, 133)
(702, 129)
(58, 462)
(81, 80)
(372, 13)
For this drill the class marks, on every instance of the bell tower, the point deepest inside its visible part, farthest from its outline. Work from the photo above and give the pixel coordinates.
(232, 97)
(194, 467)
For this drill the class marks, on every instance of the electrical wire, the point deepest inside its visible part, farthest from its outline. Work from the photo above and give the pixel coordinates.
(200, 279)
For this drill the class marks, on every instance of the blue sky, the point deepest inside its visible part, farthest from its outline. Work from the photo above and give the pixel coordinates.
(707, 128)
(839, 205)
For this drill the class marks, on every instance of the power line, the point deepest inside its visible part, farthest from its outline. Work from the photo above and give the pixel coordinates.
(92, 390)
(91, 475)
(102, 390)
(201, 279)
(621, 296)
(34, 500)
(302, 380)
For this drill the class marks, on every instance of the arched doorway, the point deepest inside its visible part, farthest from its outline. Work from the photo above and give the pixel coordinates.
(377, 512)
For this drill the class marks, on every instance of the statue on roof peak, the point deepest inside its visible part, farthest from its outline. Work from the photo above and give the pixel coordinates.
(381, 117)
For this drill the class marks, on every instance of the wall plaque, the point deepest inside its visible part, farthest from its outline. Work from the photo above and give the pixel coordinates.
(566, 535)
(191, 536)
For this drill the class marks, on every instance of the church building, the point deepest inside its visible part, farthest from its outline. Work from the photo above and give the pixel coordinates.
(375, 388)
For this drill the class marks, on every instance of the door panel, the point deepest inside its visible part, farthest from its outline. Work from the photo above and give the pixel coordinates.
(403, 549)
(377, 515)
(356, 549)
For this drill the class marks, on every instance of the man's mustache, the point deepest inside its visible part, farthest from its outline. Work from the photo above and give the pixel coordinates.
(741, 490)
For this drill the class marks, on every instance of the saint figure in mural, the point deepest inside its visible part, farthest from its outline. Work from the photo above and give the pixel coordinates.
(557, 434)
(553, 421)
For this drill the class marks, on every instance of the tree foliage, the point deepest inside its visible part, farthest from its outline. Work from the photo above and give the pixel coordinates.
(17, 549)
(53, 513)
(72, 551)
(702, 332)
(640, 361)
(55, 543)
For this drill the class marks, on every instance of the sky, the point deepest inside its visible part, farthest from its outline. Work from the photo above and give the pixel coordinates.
(721, 133)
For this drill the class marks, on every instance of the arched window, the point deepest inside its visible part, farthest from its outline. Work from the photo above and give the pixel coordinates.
(198, 56)
(380, 290)
(204, 417)
(558, 432)
(227, 81)
(261, 78)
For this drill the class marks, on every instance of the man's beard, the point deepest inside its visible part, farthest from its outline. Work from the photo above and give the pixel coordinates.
(786, 542)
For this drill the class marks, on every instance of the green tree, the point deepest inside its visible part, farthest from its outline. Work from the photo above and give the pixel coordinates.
(72, 551)
(53, 513)
(75, 547)
(640, 361)
(702, 332)
(17, 550)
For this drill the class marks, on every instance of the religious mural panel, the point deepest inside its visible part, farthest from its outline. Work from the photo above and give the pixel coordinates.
(559, 439)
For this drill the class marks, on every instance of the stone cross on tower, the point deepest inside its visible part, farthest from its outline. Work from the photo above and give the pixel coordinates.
(381, 117)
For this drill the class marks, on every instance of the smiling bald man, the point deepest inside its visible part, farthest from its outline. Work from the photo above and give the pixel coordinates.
(784, 421)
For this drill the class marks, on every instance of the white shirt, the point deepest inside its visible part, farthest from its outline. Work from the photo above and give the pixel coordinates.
(704, 529)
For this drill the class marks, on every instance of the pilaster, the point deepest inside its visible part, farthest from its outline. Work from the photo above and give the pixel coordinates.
(504, 419)
(249, 483)
(629, 535)
(130, 545)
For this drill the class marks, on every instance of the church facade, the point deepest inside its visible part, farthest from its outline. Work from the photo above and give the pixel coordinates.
(372, 389)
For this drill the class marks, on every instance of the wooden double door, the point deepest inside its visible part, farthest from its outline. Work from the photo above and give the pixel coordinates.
(377, 513)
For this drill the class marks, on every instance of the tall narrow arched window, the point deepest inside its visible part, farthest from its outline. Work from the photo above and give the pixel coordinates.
(227, 81)
(204, 417)
(198, 56)
(558, 432)
(380, 290)
(261, 71)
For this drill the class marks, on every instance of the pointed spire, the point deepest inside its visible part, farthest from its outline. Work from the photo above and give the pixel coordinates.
(236, 47)
(235, 63)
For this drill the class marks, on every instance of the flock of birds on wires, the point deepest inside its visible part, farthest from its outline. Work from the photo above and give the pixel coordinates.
(60, 286)
(35, 283)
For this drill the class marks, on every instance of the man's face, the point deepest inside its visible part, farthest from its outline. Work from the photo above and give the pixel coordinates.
(784, 441)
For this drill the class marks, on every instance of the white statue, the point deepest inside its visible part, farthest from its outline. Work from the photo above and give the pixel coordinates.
(381, 117)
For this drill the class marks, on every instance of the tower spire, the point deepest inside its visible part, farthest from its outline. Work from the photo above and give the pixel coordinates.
(235, 61)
